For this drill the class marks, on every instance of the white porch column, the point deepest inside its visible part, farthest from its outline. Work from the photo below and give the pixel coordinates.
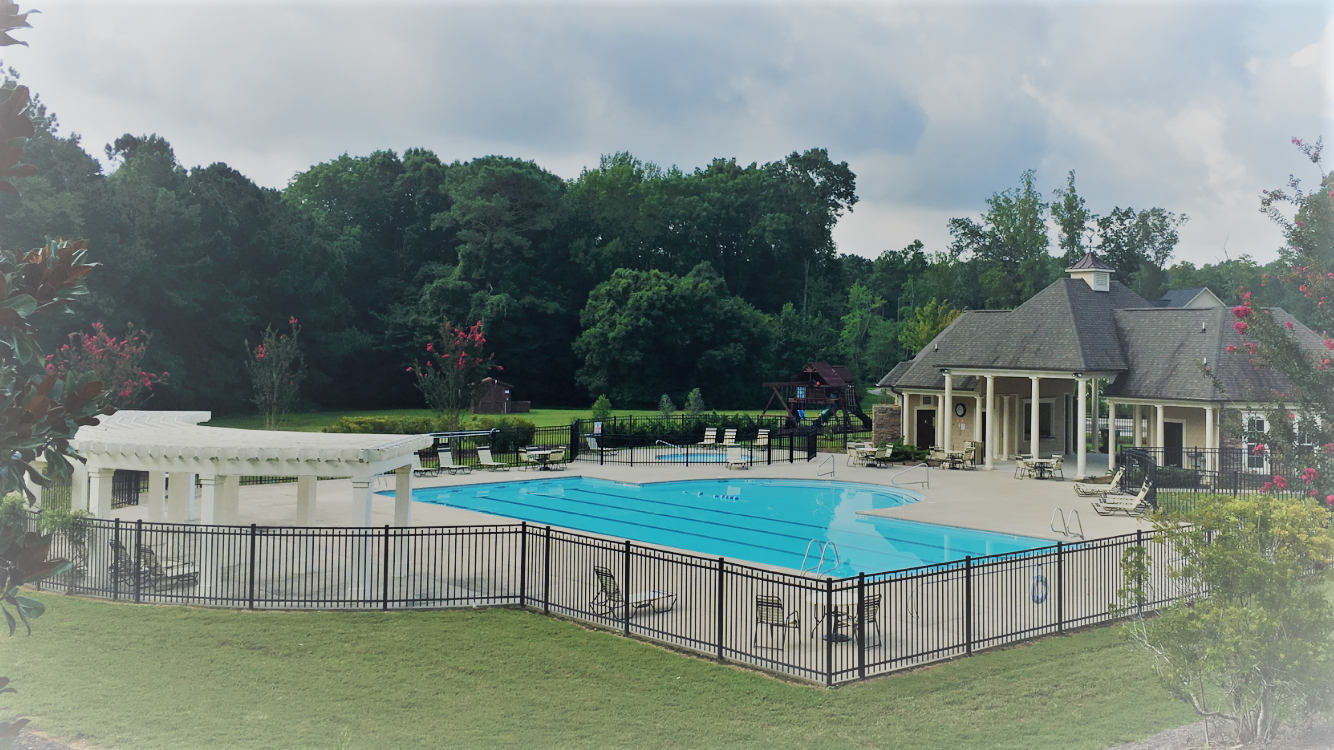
(1097, 434)
(1111, 435)
(1081, 443)
(991, 422)
(1139, 426)
(78, 490)
(1160, 439)
(947, 412)
(363, 490)
(1209, 438)
(977, 418)
(1033, 419)
(157, 496)
(1005, 428)
(403, 496)
(180, 490)
(306, 488)
(99, 492)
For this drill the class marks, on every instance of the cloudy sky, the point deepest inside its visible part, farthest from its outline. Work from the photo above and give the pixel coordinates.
(1188, 106)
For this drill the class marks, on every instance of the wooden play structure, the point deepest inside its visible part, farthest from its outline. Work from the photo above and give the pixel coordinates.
(820, 394)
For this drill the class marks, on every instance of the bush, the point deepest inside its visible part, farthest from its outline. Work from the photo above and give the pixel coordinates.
(512, 433)
(388, 425)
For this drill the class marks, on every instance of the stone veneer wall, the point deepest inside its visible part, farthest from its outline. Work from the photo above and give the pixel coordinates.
(886, 423)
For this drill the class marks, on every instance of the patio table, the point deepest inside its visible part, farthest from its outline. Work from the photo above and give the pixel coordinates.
(844, 602)
(1042, 467)
(956, 459)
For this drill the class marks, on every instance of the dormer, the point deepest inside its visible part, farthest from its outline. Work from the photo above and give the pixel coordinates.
(1091, 271)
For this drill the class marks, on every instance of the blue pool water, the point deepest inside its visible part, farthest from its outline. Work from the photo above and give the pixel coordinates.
(698, 457)
(762, 520)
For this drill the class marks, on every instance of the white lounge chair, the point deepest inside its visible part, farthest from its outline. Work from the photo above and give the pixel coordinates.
(447, 463)
(710, 437)
(593, 445)
(1093, 489)
(729, 438)
(1131, 505)
(762, 439)
(736, 458)
(486, 462)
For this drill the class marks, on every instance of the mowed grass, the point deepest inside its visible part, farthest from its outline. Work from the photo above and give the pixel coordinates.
(126, 676)
(317, 421)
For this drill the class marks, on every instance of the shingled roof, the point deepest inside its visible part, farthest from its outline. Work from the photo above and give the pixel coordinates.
(1090, 262)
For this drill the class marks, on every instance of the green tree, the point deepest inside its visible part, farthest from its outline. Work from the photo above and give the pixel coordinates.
(862, 318)
(1249, 642)
(276, 367)
(1138, 245)
(456, 364)
(649, 332)
(798, 339)
(1073, 219)
(694, 405)
(666, 407)
(1010, 244)
(925, 324)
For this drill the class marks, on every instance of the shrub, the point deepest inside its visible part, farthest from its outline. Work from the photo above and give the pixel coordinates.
(388, 425)
(602, 408)
(512, 433)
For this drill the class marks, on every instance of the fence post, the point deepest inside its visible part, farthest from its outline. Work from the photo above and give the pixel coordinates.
(791, 447)
(250, 566)
(861, 625)
(546, 572)
(628, 592)
(523, 563)
(1139, 579)
(968, 604)
(1060, 588)
(384, 575)
(138, 545)
(722, 576)
(828, 631)
(116, 567)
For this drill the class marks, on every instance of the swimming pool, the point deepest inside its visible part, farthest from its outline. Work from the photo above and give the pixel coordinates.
(762, 520)
(698, 457)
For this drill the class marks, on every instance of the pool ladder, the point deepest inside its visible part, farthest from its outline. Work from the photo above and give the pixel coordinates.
(820, 472)
(1065, 523)
(825, 548)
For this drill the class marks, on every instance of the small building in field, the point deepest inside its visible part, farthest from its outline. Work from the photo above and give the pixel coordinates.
(497, 398)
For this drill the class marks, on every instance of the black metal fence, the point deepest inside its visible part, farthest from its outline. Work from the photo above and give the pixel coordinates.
(1180, 475)
(819, 629)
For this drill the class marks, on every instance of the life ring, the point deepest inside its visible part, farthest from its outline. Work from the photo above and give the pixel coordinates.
(1040, 588)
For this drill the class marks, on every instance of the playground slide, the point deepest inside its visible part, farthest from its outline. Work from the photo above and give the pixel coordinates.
(866, 421)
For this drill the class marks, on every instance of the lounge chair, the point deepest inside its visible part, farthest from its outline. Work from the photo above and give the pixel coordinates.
(1113, 503)
(1101, 486)
(593, 445)
(736, 458)
(769, 613)
(158, 572)
(762, 439)
(486, 462)
(729, 438)
(710, 437)
(609, 597)
(122, 564)
(447, 464)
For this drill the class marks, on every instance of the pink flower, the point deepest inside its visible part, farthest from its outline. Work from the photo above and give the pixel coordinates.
(500, 367)
(1231, 348)
(409, 369)
(1329, 448)
(1309, 475)
(430, 346)
(1280, 482)
(1241, 326)
(1258, 450)
(1241, 311)
(1267, 486)
(1329, 500)
(292, 320)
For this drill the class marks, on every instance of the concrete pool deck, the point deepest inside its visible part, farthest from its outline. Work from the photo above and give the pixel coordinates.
(977, 499)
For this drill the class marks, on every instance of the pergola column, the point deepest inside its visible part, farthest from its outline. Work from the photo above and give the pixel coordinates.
(1081, 445)
(991, 421)
(306, 489)
(1033, 419)
(363, 490)
(157, 496)
(1005, 428)
(403, 496)
(180, 489)
(948, 412)
(78, 489)
(1139, 426)
(99, 492)
(220, 500)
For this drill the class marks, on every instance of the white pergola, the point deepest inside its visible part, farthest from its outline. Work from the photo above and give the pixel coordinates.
(174, 444)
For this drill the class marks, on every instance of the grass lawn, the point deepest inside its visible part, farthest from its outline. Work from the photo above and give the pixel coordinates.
(316, 421)
(125, 676)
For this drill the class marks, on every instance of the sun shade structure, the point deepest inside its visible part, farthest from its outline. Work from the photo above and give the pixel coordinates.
(173, 444)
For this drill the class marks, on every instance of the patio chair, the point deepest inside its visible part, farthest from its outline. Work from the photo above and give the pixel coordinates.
(881, 458)
(762, 439)
(1056, 471)
(530, 460)
(869, 618)
(486, 462)
(1099, 486)
(1021, 468)
(769, 613)
(609, 597)
(158, 572)
(710, 437)
(729, 438)
(974, 451)
(736, 458)
(854, 456)
(557, 459)
(1113, 504)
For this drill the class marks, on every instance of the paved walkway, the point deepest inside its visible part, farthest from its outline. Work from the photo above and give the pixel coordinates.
(979, 499)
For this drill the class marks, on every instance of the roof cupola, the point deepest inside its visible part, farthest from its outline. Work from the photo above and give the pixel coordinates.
(1092, 271)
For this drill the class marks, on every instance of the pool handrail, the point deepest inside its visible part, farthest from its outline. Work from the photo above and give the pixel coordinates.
(819, 566)
(832, 466)
(670, 445)
(926, 483)
(1065, 523)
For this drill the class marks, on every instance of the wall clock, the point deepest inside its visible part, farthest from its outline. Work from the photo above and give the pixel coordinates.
(960, 409)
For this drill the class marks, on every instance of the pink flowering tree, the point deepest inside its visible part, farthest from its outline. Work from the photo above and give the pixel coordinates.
(456, 363)
(276, 370)
(113, 361)
(1300, 434)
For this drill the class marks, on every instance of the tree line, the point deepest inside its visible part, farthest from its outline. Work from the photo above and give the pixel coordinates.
(631, 279)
